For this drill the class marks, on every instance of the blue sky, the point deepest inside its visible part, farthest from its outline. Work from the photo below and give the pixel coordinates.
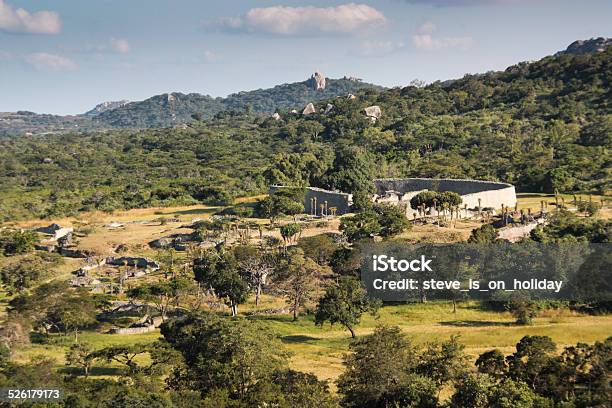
(65, 56)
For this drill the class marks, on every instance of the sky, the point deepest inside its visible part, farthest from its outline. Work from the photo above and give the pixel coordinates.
(66, 56)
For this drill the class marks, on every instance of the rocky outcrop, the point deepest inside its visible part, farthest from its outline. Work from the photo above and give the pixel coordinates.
(351, 96)
(587, 46)
(328, 108)
(106, 106)
(373, 113)
(317, 81)
(132, 261)
(309, 110)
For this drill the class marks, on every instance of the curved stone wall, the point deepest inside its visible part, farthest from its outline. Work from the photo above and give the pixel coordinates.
(491, 194)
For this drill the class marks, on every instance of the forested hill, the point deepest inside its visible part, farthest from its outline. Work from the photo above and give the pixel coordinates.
(175, 109)
(543, 126)
(171, 109)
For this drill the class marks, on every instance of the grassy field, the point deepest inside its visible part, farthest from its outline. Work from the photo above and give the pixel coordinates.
(315, 349)
(320, 349)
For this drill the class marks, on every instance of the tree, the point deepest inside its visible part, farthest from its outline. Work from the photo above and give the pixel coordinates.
(377, 368)
(319, 248)
(289, 231)
(533, 354)
(364, 225)
(22, 274)
(483, 235)
(392, 219)
(17, 242)
(303, 390)
(513, 394)
(493, 363)
(344, 303)
(353, 171)
(424, 198)
(256, 266)
(162, 293)
(298, 279)
(523, 310)
(473, 392)
(219, 270)
(234, 355)
(277, 205)
(444, 363)
(81, 355)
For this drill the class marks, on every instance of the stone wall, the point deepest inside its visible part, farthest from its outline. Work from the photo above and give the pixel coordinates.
(341, 201)
(132, 330)
(492, 194)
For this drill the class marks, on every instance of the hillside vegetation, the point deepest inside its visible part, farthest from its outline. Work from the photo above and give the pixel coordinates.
(172, 109)
(543, 126)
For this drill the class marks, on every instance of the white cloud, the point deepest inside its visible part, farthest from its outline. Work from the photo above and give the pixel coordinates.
(119, 45)
(427, 28)
(22, 21)
(425, 39)
(370, 48)
(463, 3)
(43, 61)
(285, 20)
(210, 56)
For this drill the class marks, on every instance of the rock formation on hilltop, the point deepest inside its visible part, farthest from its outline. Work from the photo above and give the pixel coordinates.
(587, 46)
(106, 106)
(317, 81)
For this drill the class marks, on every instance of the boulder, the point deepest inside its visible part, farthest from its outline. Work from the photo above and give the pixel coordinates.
(373, 112)
(350, 96)
(49, 229)
(276, 116)
(328, 108)
(309, 109)
(317, 81)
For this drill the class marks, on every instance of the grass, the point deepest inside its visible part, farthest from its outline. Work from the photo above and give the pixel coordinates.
(319, 350)
(315, 349)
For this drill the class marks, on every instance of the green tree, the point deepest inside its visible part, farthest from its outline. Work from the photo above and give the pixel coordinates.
(493, 363)
(344, 303)
(364, 225)
(483, 235)
(377, 369)
(219, 270)
(234, 355)
(17, 242)
(392, 219)
(298, 279)
(81, 355)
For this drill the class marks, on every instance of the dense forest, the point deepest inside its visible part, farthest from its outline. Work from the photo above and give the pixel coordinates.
(543, 126)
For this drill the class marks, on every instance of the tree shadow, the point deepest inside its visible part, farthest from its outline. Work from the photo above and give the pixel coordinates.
(475, 323)
(196, 211)
(298, 339)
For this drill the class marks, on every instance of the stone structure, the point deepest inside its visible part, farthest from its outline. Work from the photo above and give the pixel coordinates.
(318, 201)
(474, 193)
(317, 81)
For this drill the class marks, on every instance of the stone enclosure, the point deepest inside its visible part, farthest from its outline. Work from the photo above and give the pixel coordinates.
(475, 193)
(491, 194)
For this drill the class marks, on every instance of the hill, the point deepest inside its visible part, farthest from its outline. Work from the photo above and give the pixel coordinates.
(173, 109)
(543, 126)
